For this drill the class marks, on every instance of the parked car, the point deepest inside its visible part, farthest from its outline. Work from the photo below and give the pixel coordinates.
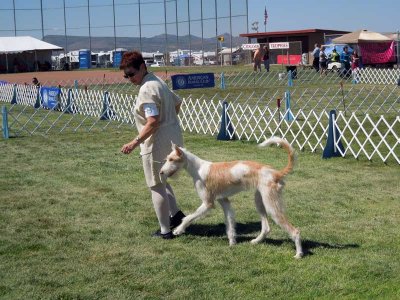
(335, 66)
(158, 64)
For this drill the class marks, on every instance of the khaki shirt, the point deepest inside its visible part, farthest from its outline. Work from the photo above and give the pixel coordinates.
(156, 147)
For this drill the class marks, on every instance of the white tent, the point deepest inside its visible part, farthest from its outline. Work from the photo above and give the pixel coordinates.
(361, 36)
(20, 44)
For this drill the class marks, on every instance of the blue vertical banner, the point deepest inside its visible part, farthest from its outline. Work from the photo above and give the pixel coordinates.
(50, 96)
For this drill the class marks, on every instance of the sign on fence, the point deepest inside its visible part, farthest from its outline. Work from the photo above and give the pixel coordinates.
(250, 46)
(50, 96)
(283, 45)
(192, 81)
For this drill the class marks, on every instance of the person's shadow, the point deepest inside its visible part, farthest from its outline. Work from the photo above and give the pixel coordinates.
(219, 230)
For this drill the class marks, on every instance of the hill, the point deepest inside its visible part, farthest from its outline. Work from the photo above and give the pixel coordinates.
(151, 44)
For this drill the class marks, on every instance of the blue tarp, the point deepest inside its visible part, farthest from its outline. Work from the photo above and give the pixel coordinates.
(339, 48)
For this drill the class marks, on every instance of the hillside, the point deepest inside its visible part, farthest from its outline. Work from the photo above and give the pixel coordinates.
(152, 44)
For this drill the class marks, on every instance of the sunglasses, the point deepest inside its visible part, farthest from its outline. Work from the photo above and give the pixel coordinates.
(129, 75)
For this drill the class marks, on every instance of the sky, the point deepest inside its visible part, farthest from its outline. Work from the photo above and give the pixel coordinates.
(348, 15)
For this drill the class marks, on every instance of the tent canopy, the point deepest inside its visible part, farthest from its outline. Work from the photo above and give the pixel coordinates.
(361, 36)
(20, 44)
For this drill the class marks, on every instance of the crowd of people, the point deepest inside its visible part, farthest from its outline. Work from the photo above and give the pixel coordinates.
(348, 61)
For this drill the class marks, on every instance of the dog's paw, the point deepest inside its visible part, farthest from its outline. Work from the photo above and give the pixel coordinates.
(232, 242)
(299, 255)
(178, 231)
(254, 241)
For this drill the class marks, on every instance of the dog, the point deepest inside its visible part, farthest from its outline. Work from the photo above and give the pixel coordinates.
(219, 180)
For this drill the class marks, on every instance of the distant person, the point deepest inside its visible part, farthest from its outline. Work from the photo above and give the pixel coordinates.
(355, 61)
(335, 57)
(266, 58)
(315, 54)
(345, 61)
(258, 55)
(35, 82)
(322, 61)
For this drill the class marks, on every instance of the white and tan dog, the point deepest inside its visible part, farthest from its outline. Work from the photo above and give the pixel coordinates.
(219, 180)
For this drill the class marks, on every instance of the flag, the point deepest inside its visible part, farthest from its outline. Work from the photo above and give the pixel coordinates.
(265, 16)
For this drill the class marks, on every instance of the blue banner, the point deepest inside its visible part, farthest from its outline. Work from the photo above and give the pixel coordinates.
(50, 96)
(192, 81)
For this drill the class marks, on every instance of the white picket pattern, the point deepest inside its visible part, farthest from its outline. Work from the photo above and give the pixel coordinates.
(362, 131)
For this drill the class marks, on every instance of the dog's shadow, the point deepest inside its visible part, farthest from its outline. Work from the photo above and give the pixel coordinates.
(254, 227)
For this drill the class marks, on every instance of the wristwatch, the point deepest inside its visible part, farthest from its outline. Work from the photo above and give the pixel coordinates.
(137, 139)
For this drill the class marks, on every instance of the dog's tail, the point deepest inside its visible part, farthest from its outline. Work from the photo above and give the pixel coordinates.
(289, 149)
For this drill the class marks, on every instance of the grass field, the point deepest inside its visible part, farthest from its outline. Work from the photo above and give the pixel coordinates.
(76, 219)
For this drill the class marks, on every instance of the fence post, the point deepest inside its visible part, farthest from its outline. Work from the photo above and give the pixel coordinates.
(5, 122)
(289, 116)
(68, 109)
(330, 149)
(14, 97)
(226, 132)
(290, 78)
(106, 112)
(222, 81)
(37, 102)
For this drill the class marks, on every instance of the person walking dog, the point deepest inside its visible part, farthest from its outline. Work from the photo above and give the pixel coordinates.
(156, 117)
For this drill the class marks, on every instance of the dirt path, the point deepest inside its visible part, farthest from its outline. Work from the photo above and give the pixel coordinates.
(103, 76)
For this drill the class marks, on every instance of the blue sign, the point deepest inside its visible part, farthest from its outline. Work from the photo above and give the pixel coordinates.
(50, 96)
(192, 81)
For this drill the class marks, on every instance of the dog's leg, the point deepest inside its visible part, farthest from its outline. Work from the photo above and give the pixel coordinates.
(265, 229)
(272, 202)
(186, 221)
(229, 220)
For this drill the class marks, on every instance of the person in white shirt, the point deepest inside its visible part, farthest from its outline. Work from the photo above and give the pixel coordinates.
(315, 54)
(156, 117)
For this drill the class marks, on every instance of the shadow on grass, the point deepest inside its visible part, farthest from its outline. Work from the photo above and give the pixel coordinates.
(242, 229)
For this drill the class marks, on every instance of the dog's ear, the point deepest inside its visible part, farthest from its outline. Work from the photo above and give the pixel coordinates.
(178, 151)
(172, 146)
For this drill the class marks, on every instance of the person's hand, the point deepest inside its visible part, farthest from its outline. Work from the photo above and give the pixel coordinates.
(128, 148)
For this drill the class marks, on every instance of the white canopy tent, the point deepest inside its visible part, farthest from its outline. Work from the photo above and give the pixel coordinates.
(21, 44)
(361, 36)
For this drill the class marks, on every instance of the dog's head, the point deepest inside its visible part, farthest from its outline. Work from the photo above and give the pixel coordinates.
(173, 163)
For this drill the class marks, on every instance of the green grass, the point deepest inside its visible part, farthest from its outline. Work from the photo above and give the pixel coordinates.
(76, 219)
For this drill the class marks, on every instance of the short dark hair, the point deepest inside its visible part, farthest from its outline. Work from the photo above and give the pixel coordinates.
(132, 59)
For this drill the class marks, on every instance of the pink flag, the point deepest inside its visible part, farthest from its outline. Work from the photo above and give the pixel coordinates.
(265, 16)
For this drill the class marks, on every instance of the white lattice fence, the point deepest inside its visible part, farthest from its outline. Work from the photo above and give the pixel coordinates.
(366, 135)
(200, 116)
(304, 129)
(372, 136)
(377, 76)
(361, 135)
